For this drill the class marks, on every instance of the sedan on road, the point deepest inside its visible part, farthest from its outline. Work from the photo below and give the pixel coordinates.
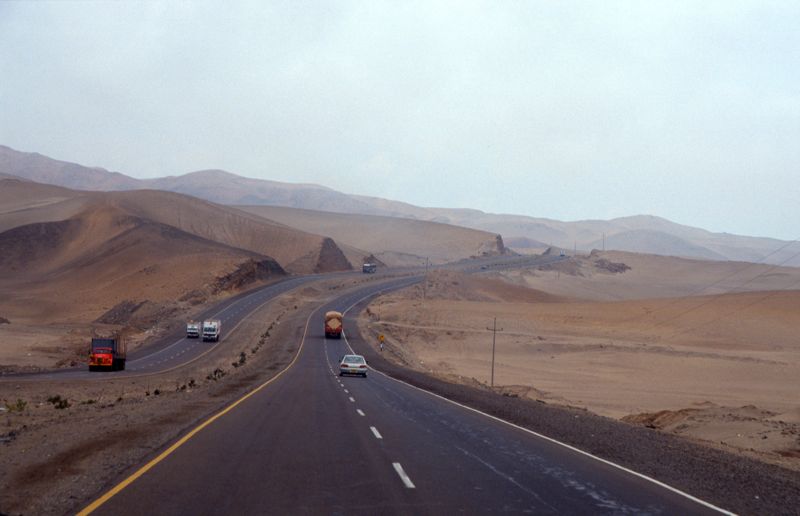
(353, 364)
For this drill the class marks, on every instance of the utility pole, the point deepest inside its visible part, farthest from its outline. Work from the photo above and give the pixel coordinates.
(425, 283)
(494, 329)
(604, 242)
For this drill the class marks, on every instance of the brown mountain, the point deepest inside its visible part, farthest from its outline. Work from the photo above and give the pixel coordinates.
(646, 233)
(392, 240)
(25, 203)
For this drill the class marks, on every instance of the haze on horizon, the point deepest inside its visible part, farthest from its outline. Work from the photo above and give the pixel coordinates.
(567, 110)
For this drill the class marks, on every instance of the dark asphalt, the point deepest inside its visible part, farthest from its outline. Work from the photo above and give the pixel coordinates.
(314, 443)
(174, 350)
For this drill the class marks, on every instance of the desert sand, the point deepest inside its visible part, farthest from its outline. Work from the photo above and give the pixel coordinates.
(393, 241)
(76, 263)
(708, 350)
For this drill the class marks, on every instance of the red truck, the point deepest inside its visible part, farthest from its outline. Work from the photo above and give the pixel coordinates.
(333, 325)
(107, 354)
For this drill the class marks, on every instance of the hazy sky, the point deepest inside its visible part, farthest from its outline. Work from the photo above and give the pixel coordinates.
(567, 110)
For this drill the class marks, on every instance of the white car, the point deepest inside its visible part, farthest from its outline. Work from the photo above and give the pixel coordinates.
(353, 364)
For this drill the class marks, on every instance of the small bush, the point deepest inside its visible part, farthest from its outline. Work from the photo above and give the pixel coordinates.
(18, 406)
(242, 360)
(216, 374)
(59, 402)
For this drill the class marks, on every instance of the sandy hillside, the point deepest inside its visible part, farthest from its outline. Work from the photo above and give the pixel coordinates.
(394, 241)
(595, 277)
(296, 251)
(725, 367)
(75, 262)
(106, 271)
(638, 233)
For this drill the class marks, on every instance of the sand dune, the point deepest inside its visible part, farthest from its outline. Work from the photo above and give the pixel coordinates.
(650, 276)
(394, 241)
(296, 251)
(74, 262)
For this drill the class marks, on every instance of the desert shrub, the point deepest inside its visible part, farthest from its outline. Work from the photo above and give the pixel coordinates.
(17, 406)
(59, 402)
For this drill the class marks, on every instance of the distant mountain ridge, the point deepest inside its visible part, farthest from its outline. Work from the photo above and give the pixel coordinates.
(639, 233)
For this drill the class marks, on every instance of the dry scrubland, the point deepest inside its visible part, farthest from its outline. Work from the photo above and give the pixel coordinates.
(708, 350)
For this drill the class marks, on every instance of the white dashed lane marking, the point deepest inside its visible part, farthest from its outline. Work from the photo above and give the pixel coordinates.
(360, 412)
(376, 433)
(403, 476)
(352, 399)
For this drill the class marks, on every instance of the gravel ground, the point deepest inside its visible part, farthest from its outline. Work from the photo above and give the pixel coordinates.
(732, 482)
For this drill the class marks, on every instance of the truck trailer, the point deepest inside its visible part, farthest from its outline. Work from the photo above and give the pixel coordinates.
(333, 325)
(212, 329)
(107, 354)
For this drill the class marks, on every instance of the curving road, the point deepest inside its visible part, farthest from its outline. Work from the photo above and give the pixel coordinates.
(175, 350)
(310, 442)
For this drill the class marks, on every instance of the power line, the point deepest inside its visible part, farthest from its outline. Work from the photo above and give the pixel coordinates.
(717, 282)
(732, 312)
(713, 299)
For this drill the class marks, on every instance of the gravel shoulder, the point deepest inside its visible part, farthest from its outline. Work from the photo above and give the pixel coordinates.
(730, 481)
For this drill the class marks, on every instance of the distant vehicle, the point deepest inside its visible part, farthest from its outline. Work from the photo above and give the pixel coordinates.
(562, 253)
(212, 330)
(333, 325)
(193, 329)
(107, 354)
(369, 268)
(353, 364)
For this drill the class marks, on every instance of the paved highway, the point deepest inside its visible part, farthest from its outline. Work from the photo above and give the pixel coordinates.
(175, 350)
(310, 442)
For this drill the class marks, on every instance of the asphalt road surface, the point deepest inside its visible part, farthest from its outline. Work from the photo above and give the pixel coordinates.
(175, 349)
(310, 442)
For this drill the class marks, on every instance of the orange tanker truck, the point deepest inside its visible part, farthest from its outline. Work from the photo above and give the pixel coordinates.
(333, 325)
(107, 354)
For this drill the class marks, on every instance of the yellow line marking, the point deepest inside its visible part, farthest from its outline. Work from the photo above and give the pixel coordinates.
(163, 455)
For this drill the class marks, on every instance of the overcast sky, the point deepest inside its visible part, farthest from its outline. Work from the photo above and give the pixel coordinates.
(567, 110)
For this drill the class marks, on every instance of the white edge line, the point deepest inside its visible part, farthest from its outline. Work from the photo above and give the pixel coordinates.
(376, 433)
(406, 480)
(550, 439)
